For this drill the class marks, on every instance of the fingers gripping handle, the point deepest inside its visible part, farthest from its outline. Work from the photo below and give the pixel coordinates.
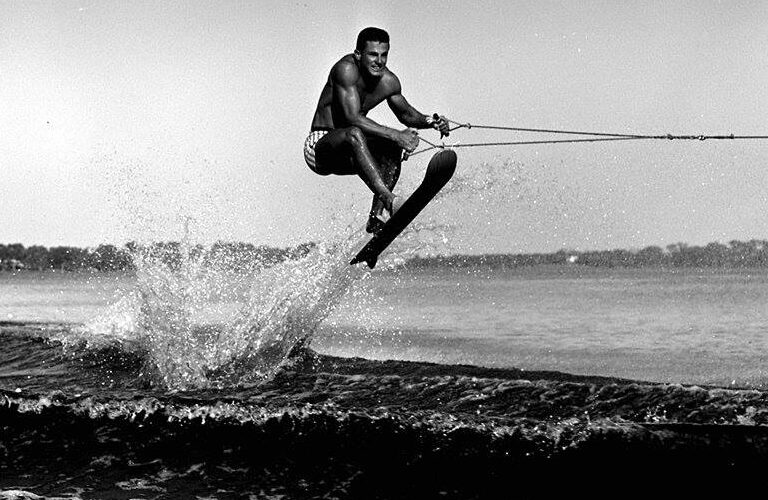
(437, 119)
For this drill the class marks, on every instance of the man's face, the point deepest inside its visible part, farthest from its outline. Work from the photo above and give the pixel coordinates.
(373, 58)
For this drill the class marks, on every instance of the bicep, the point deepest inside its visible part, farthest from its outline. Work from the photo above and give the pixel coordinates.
(348, 99)
(345, 93)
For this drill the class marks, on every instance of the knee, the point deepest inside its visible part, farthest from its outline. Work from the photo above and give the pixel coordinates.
(355, 136)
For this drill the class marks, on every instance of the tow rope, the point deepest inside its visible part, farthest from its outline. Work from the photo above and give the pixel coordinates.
(589, 137)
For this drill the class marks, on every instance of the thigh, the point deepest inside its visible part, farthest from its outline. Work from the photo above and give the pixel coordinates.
(382, 148)
(333, 155)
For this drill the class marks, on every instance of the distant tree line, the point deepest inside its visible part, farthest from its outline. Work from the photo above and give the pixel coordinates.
(106, 257)
(245, 256)
(750, 254)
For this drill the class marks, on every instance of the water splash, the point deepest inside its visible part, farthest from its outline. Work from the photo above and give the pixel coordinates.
(285, 306)
(198, 323)
(512, 206)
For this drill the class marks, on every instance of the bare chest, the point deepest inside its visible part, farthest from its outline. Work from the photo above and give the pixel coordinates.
(370, 98)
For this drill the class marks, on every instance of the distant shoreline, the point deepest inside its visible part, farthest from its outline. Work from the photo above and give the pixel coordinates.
(245, 256)
(737, 254)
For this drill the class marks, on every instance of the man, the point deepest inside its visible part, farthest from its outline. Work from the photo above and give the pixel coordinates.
(344, 141)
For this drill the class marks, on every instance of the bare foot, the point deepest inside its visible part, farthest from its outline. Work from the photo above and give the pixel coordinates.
(376, 221)
(375, 224)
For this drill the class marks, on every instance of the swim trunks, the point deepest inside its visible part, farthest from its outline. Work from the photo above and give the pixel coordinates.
(309, 147)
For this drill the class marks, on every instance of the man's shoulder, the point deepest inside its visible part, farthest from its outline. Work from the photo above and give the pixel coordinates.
(345, 69)
(390, 81)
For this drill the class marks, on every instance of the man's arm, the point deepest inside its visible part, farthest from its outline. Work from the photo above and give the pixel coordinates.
(405, 113)
(409, 116)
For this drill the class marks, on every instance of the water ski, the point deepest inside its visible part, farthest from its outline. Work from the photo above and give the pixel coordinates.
(439, 171)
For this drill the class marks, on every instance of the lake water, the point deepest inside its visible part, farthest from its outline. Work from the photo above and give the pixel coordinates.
(193, 382)
(702, 326)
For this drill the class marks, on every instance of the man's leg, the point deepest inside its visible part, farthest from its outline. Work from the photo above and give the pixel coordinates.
(346, 152)
(389, 156)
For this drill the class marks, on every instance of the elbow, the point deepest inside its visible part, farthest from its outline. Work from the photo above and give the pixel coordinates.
(354, 120)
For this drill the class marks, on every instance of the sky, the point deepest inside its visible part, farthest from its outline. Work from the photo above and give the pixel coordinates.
(128, 121)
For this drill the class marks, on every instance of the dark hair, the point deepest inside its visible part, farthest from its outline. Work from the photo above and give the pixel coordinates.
(371, 35)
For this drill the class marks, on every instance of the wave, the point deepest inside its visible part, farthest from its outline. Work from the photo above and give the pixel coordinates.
(33, 361)
(353, 428)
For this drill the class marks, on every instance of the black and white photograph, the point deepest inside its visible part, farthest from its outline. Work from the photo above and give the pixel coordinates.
(383, 249)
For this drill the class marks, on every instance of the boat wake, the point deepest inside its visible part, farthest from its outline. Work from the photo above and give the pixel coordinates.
(330, 427)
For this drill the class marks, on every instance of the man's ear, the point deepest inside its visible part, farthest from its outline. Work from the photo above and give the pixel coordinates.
(357, 55)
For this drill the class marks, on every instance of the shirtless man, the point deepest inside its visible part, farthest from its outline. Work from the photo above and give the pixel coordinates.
(344, 141)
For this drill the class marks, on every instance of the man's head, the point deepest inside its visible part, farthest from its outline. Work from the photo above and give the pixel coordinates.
(371, 35)
(372, 50)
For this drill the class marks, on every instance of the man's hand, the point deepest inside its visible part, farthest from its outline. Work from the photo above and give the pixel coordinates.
(441, 124)
(407, 139)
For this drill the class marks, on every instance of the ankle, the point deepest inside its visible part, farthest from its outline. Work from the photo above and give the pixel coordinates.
(387, 201)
